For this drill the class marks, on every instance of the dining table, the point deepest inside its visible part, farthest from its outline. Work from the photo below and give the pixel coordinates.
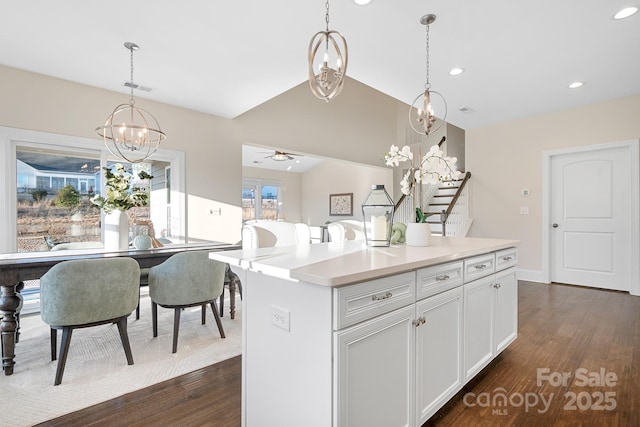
(15, 268)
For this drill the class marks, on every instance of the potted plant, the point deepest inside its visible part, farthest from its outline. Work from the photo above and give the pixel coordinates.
(434, 167)
(120, 197)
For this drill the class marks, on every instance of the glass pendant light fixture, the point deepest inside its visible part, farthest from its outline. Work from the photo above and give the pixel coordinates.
(131, 133)
(326, 82)
(421, 113)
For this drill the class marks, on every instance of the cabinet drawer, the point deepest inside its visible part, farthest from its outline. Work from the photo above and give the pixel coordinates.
(439, 278)
(506, 258)
(362, 301)
(479, 266)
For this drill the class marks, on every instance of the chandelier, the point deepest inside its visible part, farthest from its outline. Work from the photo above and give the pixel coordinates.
(131, 133)
(421, 113)
(326, 83)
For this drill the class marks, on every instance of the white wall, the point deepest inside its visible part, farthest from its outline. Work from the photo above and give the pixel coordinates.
(506, 158)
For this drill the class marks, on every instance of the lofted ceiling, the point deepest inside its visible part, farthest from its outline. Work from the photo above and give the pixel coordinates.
(226, 57)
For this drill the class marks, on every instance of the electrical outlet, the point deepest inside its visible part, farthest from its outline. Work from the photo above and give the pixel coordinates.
(280, 317)
(524, 210)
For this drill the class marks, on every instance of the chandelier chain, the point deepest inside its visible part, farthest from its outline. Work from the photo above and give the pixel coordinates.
(326, 16)
(427, 85)
(131, 100)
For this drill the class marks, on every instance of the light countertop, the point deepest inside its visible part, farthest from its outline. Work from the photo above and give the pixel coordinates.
(341, 263)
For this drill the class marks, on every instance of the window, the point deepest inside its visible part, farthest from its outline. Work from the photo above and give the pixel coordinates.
(49, 179)
(261, 199)
(50, 208)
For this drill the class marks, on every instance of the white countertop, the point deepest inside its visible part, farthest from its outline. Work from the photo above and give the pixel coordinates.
(341, 263)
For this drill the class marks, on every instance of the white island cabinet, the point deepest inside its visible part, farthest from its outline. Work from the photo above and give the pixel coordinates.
(340, 334)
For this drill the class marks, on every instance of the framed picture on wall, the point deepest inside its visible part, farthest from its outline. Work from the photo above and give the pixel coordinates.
(341, 204)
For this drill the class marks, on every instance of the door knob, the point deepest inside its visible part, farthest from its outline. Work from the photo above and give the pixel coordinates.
(555, 225)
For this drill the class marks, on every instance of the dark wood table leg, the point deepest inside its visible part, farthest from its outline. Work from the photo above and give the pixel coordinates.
(232, 299)
(9, 302)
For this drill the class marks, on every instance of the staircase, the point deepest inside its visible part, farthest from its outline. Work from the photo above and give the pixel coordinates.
(448, 206)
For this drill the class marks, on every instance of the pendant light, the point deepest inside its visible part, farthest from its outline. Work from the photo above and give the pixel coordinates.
(131, 133)
(326, 82)
(421, 113)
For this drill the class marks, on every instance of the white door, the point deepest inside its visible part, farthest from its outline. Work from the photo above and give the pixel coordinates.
(591, 218)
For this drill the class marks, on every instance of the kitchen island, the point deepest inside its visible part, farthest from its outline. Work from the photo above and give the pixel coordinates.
(340, 334)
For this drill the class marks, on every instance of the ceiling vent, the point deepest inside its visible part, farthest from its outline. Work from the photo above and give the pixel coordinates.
(467, 110)
(137, 86)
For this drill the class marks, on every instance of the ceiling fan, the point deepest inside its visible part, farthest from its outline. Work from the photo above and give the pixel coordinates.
(280, 156)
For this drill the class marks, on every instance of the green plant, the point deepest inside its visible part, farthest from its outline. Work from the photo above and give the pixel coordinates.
(422, 216)
(67, 197)
(38, 195)
(120, 195)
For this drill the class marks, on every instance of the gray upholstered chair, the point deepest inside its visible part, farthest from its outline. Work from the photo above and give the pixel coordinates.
(186, 279)
(90, 292)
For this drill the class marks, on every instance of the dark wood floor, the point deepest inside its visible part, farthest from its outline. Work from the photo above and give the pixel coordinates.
(562, 328)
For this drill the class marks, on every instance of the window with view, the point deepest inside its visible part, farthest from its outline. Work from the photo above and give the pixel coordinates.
(54, 198)
(261, 200)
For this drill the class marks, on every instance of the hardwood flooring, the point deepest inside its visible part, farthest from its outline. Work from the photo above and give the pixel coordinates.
(563, 330)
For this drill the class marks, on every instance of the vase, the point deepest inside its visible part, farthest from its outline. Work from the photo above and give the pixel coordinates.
(116, 231)
(418, 234)
(143, 241)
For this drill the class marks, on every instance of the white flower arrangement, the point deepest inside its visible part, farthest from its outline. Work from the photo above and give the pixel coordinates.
(434, 167)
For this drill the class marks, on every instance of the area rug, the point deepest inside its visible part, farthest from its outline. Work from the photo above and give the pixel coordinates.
(97, 369)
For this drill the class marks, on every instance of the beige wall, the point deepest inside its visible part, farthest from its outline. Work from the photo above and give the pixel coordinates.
(36, 102)
(359, 125)
(506, 158)
(338, 177)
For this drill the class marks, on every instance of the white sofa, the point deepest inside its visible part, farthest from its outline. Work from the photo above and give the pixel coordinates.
(263, 233)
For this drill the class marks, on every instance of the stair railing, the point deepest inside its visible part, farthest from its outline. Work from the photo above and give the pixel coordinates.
(457, 214)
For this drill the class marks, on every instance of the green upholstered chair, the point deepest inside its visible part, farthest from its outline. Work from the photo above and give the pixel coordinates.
(186, 279)
(90, 292)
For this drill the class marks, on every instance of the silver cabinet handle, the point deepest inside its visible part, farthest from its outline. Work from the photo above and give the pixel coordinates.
(507, 258)
(480, 267)
(442, 278)
(497, 285)
(377, 298)
(419, 321)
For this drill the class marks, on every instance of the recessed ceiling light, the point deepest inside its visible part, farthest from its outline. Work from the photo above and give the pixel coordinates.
(361, 2)
(625, 13)
(456, 71)
(575, 85)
